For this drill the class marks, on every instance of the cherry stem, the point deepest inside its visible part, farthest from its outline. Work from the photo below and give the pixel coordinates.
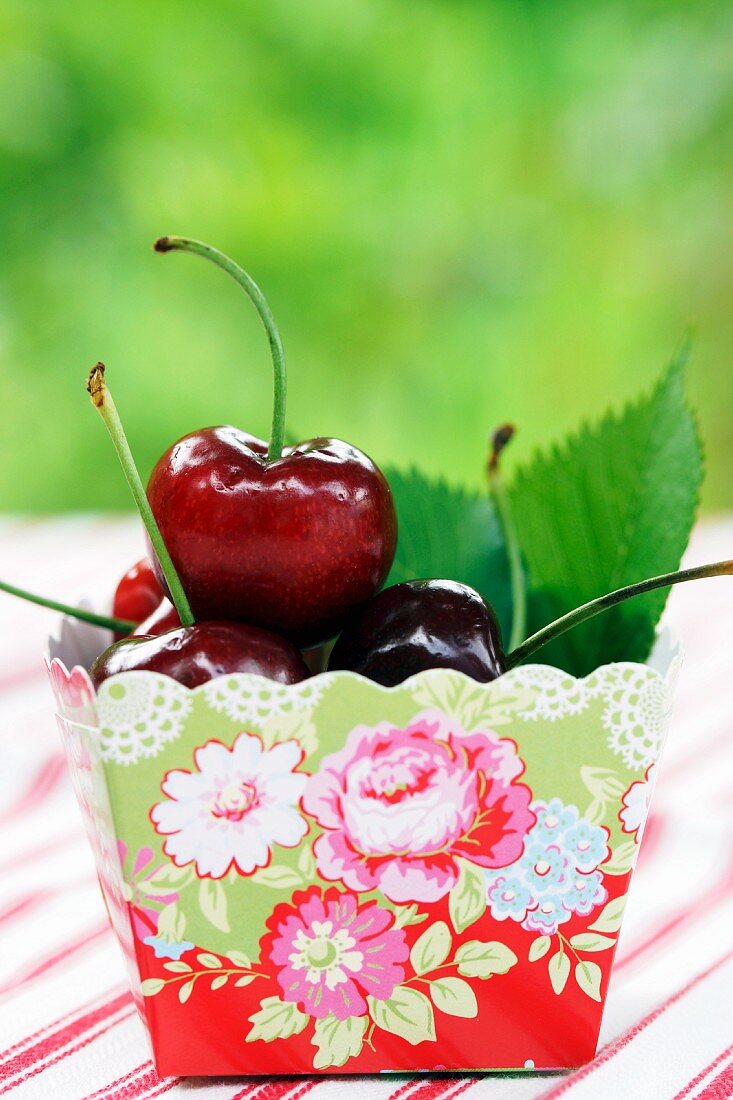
(603, 603)
(120, 626)
(240, 276)
(499, 440)
(105, 406)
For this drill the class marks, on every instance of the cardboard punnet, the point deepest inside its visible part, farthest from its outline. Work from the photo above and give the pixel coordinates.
(338, 877)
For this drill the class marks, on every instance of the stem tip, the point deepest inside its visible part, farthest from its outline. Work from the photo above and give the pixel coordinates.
(163, 244)
(498, 440)
(95, 385)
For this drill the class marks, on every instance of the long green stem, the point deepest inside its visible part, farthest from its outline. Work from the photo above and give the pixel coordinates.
(105, 406)
(240, 276)
(517, 577)
(602, 603)
(120, 626)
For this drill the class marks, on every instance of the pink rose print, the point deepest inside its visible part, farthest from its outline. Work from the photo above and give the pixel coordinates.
(233, 807)
(636, 804)
(330, 952)
(399, 806)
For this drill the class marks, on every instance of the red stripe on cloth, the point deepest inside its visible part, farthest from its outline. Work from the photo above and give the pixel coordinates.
(32, 901)
(130, 1085)
(22, 905)
(614, 1048)
(291, 1088)
(41, 851)
(655, 828)
(139, 1084)
(49, 775)
(701, 906)
(22, 676)
(411, 1084)
(719, 1089)
(61, 1037)
(704, 1073)
(53, 1025)
(53, 960)
(440, 1087)
(47, 1063)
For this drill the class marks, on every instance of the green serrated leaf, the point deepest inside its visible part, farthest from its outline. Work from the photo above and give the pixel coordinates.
(431, 948)
(408, 1013)
(589, 941)
(559, 970)
(588, 977)
(480, 960)
(467, 901)
(447, 532)
(338, 1040)
(210, 962)
(539, 947)
(610, 917)
(454, 997)
(276, 1019)
(151, 986)
(278, 877)
(609, 506)
(213, 903)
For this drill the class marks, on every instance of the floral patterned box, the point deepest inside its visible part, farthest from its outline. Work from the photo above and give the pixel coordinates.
(335, 877)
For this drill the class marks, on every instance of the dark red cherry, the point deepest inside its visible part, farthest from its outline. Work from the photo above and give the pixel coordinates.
(164, 618)
(291, 545)
(194, 654)
(138, 594)
(419, 625)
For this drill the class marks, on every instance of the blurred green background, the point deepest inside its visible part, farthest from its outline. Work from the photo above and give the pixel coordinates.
(461, 213)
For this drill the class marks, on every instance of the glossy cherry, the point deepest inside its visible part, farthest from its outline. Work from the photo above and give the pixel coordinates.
(288, 538)
(291, 545)
(419, 625)
(138, 593)
(164, 618)
(192, 655)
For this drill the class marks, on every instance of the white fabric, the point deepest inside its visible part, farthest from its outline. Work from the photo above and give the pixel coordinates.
(67, 1027)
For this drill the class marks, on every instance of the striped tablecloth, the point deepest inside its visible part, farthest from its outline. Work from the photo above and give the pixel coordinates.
(68, 1029)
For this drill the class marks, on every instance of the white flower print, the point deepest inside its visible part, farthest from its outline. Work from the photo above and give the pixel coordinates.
(636, 804)
(326, 955)
(637, 703)
(552, 694)
(139, 714)
(231, 810)
(250, 700)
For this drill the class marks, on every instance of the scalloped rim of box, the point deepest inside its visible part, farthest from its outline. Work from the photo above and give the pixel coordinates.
(665, 653)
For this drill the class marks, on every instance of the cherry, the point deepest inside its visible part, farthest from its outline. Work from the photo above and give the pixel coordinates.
(292, 545)
(138, 593)
(164, 618)
(419, 625)
(291, 540)
(192, 655)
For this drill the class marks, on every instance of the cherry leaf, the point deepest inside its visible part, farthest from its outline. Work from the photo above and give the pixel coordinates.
(611, 505)
(445, 531)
